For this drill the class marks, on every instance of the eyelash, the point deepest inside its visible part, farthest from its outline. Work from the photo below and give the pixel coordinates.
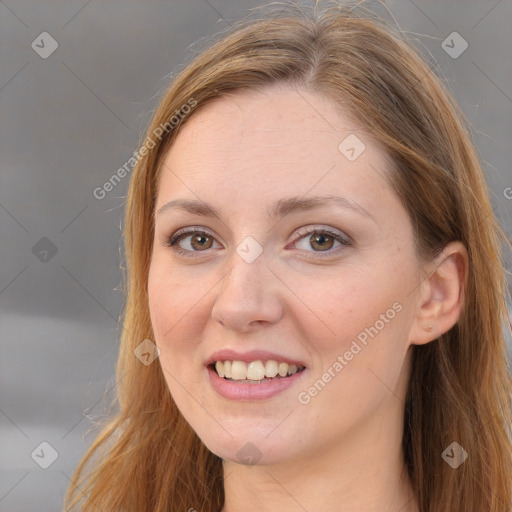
(182, 234)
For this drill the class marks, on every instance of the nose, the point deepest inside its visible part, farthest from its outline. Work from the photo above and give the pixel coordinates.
(249, 296)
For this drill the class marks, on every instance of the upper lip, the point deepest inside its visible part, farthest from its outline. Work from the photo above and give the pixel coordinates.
(251, 355)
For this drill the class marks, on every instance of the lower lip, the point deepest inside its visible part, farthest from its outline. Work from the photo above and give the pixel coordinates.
(247, 391)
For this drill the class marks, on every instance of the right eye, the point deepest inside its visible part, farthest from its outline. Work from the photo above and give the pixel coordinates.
(199, 240)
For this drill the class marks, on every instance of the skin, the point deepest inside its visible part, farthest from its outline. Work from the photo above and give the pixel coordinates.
(341, 450)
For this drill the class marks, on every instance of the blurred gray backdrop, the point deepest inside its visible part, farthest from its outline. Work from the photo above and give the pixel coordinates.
(78, 82)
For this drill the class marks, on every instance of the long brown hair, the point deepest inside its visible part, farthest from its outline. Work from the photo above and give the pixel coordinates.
(147, 458)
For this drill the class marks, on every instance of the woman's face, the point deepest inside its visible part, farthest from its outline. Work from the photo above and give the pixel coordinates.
(257, 288)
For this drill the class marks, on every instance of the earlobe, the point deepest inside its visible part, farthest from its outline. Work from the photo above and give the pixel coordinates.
(442, 295)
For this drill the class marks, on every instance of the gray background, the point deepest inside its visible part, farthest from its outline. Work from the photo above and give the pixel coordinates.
(68, 122)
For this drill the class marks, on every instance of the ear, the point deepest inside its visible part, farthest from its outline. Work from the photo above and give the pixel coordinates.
(441, 296)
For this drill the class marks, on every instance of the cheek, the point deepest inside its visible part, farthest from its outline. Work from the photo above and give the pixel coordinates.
(173, 310)
(174, 306)
(348, 302)
(356, 366)
(359, 314)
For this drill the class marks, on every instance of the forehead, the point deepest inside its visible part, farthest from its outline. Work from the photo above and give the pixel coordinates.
(272, 121)
(260, 143)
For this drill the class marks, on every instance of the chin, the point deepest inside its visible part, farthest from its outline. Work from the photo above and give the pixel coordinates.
(250, 448)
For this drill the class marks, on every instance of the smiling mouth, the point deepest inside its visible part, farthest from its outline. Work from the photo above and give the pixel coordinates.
(254, 372)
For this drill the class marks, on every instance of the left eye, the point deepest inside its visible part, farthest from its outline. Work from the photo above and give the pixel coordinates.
(321, 239)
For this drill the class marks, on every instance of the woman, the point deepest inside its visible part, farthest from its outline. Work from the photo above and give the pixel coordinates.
(312, 255)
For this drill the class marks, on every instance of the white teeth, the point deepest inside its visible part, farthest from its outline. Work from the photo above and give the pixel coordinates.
(255, 370)
(238, 370)
(271, 369)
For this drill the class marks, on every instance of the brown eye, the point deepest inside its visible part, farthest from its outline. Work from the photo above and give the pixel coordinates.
(201, 241)
(188, 242)
(321, 241)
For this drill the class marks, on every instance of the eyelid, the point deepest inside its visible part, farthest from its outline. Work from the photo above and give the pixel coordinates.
(302, 232)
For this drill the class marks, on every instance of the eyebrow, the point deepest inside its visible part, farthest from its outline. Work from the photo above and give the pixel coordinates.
(279, 209)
